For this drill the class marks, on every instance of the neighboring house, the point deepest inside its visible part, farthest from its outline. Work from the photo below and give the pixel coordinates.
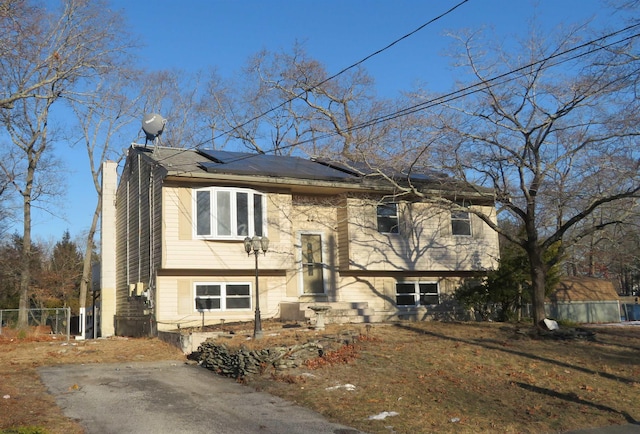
(584, 300)
(173, 231)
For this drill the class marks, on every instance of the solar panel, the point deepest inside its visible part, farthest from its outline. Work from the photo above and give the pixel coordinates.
(242, 163)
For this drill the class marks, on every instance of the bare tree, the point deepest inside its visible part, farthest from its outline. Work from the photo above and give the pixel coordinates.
(102, 115)
(555, 137)
(213, 111)
(53, 53)
(175, 96)
(289, 102)
(21, 28)
(27, 127)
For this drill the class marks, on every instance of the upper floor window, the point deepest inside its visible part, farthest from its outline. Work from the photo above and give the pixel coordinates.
(460, 223)
(387, 214)
(417, 293)
(229, 213)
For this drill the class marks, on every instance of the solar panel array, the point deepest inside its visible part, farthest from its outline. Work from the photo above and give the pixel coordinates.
(240, 163)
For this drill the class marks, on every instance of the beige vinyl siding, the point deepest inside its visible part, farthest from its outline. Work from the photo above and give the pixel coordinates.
(133, 249)
(279, 227)
(182, 252)
(422, 244)
(315, 214)
(184, 298)
(355, 290)
(359, 289)
(176, 301)
(343, 234)
(182, 200)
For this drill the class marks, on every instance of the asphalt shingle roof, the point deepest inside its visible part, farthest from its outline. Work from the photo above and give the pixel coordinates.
(208, 163)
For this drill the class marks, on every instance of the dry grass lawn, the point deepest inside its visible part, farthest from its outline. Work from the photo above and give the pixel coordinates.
(428, 377)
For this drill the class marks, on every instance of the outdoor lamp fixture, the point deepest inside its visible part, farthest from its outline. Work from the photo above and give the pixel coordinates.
(254, 245)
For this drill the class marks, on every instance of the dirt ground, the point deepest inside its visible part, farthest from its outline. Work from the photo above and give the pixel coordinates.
(427, 377)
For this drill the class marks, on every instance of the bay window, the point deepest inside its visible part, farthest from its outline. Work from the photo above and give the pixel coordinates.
(229, 213)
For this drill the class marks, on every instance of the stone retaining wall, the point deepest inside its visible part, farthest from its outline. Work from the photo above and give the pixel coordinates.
(241, 362)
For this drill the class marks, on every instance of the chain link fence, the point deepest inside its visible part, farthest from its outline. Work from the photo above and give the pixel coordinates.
(55, 321)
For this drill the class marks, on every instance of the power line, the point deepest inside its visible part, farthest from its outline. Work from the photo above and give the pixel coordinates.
(471, 89)
(484, 84)
(431, 21)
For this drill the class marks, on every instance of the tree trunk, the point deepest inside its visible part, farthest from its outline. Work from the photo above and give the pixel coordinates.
(86, 267)
(25, 272)
(538, 284)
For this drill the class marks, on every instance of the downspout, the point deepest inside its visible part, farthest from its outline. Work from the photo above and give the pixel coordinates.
(151, 224)
(139, 223)
(151, 285)
(127, 245)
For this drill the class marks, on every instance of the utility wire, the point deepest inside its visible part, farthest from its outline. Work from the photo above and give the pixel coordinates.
(494, 81)
(468, 90)
(431, 21)
(481, 85)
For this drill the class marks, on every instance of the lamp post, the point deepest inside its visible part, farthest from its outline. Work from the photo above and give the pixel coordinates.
(254, 245)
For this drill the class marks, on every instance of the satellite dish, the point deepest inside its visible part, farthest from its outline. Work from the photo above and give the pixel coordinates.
(153, 125)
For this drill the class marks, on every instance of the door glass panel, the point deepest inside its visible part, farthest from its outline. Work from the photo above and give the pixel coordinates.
(312, 265)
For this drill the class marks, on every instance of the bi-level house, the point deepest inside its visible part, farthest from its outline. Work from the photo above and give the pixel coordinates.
(175, 222)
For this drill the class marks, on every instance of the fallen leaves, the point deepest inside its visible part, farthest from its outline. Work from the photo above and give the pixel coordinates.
(587, 388)
(342, 355)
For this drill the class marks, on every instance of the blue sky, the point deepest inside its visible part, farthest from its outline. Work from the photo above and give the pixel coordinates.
(194, 35)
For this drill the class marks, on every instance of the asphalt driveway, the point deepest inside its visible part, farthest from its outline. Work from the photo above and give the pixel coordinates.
(173, 397)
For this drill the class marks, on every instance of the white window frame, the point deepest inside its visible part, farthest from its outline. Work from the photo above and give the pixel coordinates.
(213, 217)
(396, 216)
(459, 216)
(223, 296)
(416, 293)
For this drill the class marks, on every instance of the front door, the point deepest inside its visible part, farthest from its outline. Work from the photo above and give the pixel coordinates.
(312, 265)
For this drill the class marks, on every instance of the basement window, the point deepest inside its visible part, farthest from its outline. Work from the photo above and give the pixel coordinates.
(222, 296)
(417, 293)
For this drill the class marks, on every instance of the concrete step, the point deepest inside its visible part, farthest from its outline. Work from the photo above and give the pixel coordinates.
(345, 311)
(362, 319)
(342, 313)
(335, 305)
